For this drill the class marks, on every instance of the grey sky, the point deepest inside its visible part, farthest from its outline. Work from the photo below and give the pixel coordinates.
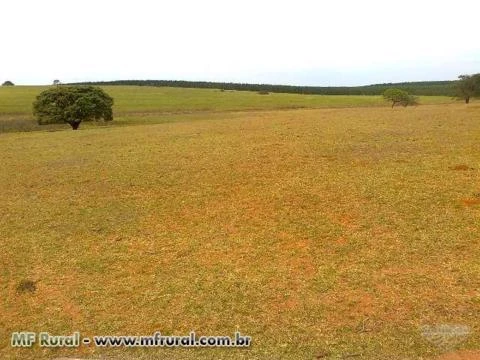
(302, 42)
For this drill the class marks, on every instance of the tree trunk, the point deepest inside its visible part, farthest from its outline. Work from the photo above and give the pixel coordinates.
(74, 124)
(467, 99)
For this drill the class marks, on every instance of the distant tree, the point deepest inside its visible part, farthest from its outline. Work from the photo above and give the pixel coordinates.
(72, 105)
(468, 86)
(56, 82)
(8, 83)
(400, 97)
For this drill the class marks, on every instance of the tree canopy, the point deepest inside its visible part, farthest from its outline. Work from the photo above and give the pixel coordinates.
(468, 86)
(72, 105)
(8, 83)
(400, 97)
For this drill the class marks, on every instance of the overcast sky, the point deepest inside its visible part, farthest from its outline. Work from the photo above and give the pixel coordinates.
(301, 42)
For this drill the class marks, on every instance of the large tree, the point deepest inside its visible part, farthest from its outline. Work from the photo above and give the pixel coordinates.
(468, 86)
(8, 83)
(72, 105)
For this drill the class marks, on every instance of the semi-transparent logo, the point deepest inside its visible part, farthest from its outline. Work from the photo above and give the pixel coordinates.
(445, 336)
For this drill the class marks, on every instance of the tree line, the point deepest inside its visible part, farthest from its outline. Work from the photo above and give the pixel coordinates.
(425, 88)
(73, 104)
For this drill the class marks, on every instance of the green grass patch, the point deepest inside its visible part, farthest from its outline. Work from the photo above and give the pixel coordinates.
(138, 99)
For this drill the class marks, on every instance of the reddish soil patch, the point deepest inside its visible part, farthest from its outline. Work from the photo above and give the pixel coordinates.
(341, 240)
(471, 202)
(461, 167)
(461, 355)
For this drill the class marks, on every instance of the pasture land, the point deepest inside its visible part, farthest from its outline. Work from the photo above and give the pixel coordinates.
(320, 233)
(141, 104)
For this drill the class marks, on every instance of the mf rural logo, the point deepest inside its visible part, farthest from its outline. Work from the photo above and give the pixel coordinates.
(445, 336)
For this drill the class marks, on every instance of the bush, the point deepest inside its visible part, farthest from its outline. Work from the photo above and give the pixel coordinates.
(411, 100)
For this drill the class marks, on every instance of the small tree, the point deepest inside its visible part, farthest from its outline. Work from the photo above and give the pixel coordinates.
(72, 105)
(398, 96)
(468, 86)
(8, 83)
(56, 82)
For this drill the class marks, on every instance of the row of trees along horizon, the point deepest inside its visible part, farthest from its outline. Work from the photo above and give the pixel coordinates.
(438, 88)
(460, 88)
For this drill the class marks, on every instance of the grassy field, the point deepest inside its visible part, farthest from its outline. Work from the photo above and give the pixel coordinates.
(154, 105)
(320, 233)
(135, 99)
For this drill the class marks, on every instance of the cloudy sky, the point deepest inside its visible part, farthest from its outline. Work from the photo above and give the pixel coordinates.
(302, 42)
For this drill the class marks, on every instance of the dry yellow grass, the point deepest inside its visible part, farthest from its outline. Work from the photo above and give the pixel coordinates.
(333, 232)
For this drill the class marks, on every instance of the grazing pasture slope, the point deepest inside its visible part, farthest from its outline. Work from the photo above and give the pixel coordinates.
(318, 232)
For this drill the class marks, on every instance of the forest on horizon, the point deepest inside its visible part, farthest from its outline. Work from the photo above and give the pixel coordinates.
(424, 88)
